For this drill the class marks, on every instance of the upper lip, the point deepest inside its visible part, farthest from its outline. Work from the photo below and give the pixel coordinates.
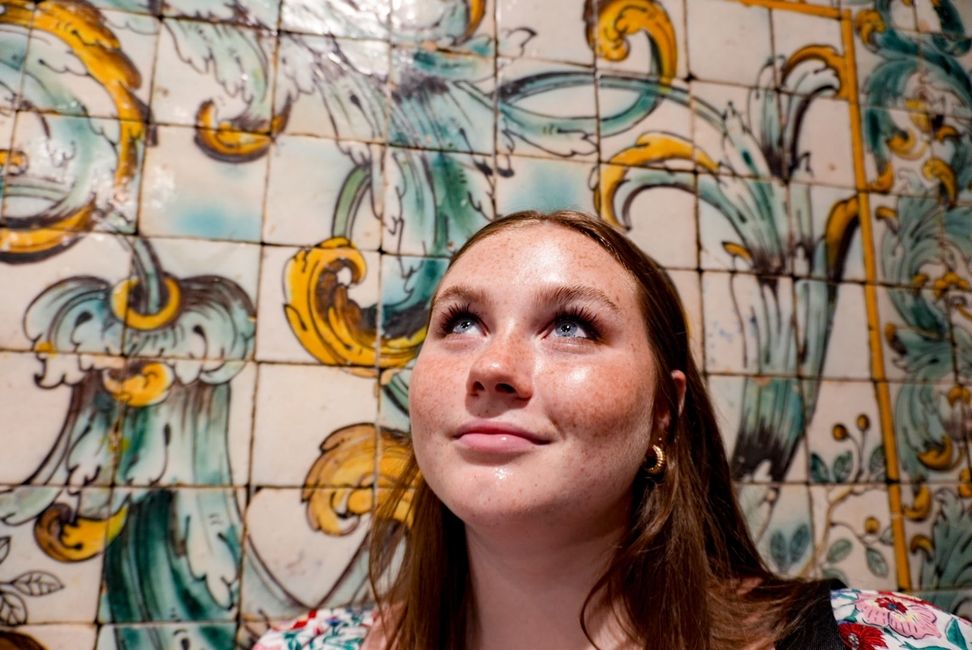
(499, 429)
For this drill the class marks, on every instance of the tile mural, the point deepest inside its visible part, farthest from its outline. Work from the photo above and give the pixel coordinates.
(221, 224)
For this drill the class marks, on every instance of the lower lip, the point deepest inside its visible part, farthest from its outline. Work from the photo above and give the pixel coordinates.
(495, 443)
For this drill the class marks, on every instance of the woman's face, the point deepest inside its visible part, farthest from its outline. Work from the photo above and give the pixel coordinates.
(531, 400)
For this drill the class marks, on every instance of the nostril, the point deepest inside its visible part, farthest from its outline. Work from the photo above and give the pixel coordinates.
(505, 388)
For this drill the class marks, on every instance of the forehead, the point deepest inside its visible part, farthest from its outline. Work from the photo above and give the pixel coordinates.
(545, 254)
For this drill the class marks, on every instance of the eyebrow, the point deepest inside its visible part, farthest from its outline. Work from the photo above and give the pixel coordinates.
(560, 295)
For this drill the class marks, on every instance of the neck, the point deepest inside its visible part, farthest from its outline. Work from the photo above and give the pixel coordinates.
(529, 589)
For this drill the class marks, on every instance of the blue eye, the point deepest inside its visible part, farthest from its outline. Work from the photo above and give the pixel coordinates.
(572, 327)
(462, 324)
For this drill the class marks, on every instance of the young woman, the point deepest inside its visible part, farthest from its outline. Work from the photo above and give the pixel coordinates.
(569, 487)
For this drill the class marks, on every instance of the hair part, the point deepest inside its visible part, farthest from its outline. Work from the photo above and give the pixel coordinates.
(686, 574)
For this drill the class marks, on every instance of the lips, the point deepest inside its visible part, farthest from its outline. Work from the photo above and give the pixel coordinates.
(497, 438)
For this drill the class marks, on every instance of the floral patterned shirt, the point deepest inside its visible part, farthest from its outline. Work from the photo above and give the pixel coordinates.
(866, 620)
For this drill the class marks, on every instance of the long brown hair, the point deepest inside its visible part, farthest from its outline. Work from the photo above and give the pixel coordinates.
(686, 575)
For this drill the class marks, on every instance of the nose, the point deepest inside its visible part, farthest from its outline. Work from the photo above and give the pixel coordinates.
(503, 368)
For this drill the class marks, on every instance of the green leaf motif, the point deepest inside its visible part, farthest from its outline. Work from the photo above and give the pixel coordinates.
(778, 551)
(876, 465)
(954, 634)
(843, 466)
(876, 562)
(799, 543)
(818, 469)
(839, 550)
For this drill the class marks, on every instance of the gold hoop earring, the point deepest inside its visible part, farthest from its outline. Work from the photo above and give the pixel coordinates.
(657, 468)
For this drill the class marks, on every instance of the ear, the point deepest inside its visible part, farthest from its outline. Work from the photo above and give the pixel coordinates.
(678, 378)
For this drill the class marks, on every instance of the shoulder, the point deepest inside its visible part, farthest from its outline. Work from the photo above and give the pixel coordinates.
(882, 620)
(341, 628)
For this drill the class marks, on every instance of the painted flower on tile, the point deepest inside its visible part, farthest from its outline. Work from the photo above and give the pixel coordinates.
(861, 637)
(907, 616)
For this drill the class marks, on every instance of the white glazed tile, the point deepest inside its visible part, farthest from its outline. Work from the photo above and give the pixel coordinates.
(254, 13)
(724, 242)
(779, 520)
(811, 207)
(298, 407)
(793, 31)
(544, 184)
(187, 193)
(925, 325)
(844, 433)
(846, 355)
(716, 27)
(304, 192)
(362, 19)
(669, 118)
(906, 175)
(688, 284)
(444, 24)
(927, 19)
(824, 147)
(640, 58)
(16, 43)
(931, 423)
(536, 30)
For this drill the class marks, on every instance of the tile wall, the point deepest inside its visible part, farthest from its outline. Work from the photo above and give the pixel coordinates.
(221, 223)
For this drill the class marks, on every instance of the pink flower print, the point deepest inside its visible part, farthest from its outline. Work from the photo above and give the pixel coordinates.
(907, 616)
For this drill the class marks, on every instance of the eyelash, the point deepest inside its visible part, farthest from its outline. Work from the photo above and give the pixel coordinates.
(584, 317)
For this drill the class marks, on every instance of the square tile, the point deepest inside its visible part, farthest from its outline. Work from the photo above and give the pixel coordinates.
(62, 416)
(215, 199)
(546, 109)
(13, 55)
(928, 17)
(931, 424)
(195, 431)
(465, 27)
(657, 207)
(961, 322)
(253, 13)
(216, 294)
(913, 242)
(779, 521)
(817, 253)
(434, 201)
(441, 100)
(917, 337)
(638, 40)
(193, 566)
(689, 286)
(532, 29)
(844, 433)
(76, 173)
(333, 87)
(361, 19)
(53, 540)
(303, 289)
(63, 304)
(716, 27)
(762, 425)
(936, 523)
(544, 184)
(321, 188)
(823, 147)
(313, 542)
(328, 416)
(898, 148)
(213, 75)
(749, 324)
(852, 535)
(75, 86)
(393, 400)
(832, 330)
(794, 30)
(407, 286)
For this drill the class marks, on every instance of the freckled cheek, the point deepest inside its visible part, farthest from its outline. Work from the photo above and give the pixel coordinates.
(433, 390)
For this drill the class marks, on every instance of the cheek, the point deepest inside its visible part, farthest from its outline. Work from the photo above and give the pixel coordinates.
(430, 389)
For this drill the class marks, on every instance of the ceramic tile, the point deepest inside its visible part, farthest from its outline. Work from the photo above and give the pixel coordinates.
(911, 237)
(852, 535)
(729, 126)
(63, 304)
(655, 133)
(779, 521)
(114, 84)
(194, 566)
(895, 160)
(927, 17)
(213, 75)
(441, 100)
(746, 418)
(950, 138)
(716, 27)
(193, 427)
(533, 29)
(465, 27)
(881, 82)
(215, 284)
(187, 193)
(657, 208)
(312, 541)
(546, 109)
(961, 322)
(52, 438)
(13, 54)
(434, 201)
(623, 46)
(544, 184)
(931, 424)
(59, 155)
(253, 13)
(832, 330)
(743, 224)
(689, 286)
(328, 415)
(814, 208)
(320, 188)
(129, 6)
(81, 637)
(293, 305)
(936, 521)
(172, 635)
(333, 87)
(844, 432)
(793, 31)
(749, 326)
(51, 539)
(916, 336)
(822, 152)
(407, 286)
(361, 19)
(393, 399)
